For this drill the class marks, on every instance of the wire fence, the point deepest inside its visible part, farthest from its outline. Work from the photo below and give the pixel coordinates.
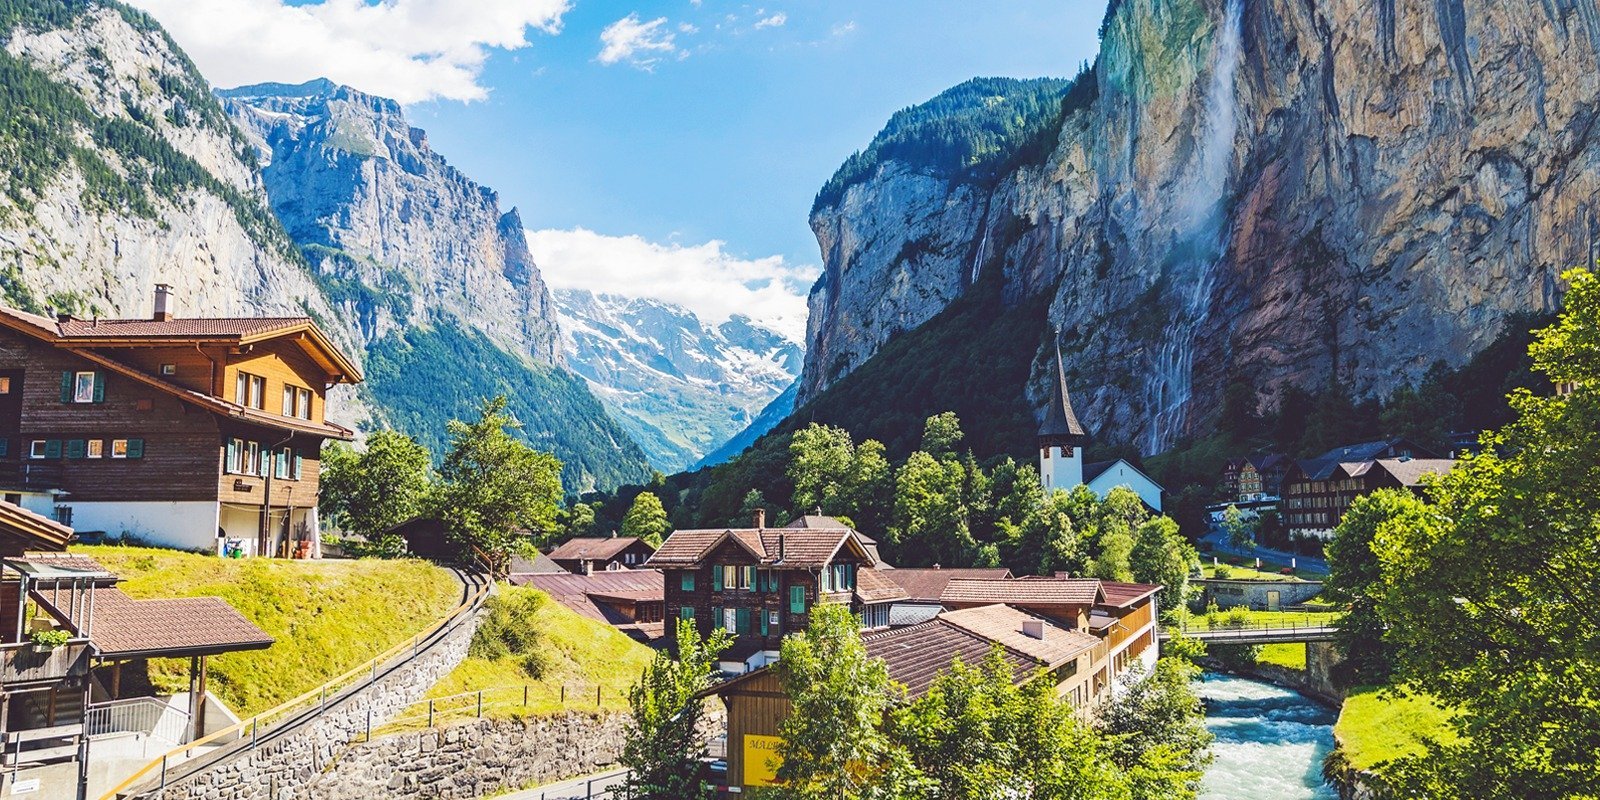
(526, 698)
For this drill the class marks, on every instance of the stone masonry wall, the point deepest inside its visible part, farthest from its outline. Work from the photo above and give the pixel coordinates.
(284, 768)
(474, 759)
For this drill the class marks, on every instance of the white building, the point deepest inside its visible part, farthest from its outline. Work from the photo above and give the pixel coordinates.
(1061, 442)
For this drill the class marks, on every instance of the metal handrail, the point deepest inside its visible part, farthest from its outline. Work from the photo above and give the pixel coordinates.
(148, 715)
(368, 669)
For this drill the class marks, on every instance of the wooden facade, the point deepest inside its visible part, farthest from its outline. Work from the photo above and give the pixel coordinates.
(138, 427)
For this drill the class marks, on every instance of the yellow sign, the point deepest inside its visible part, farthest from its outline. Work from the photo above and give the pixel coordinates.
(761, 760)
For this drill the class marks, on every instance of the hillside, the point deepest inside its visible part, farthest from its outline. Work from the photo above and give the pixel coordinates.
(326, 616)
(1288, 195)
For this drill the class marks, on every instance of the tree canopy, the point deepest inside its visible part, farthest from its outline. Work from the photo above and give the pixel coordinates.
(494, 489)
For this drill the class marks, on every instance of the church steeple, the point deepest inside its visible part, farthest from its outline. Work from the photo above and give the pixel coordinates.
(1061, 436)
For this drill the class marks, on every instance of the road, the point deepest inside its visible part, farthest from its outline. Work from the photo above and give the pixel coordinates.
(596, 786)
(1217, 540)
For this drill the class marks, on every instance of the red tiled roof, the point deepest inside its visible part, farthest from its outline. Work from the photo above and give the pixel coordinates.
(793, 547)
(26, 530)
(595, 548)
(1121, 594)
(916, 655)
(1023, 591)
(578, 592)
(1004, 624)
(927, 585)
(181, 626)
(217, 327)
(685, 548)
(873, 586)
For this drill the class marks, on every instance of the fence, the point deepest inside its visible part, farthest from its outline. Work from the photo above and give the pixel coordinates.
(305, 707)
(148, 715)
(475, 704)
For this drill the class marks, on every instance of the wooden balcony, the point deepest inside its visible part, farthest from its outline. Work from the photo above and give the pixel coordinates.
(23, 666)
(30, 475)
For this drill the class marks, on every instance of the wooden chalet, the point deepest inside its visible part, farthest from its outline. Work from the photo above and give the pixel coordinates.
(761, 583)
(589, 554)
(198, 434)
(1317, 491)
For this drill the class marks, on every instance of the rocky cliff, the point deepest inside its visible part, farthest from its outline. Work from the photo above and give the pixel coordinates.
(1309, 192)
(397, 235)
(681, 386)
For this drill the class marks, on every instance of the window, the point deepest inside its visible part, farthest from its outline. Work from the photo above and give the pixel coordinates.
(687, 612)
(119, 448)
(37, 448)
(82, 387)
(304, 405)
(797, 599)
(5, 385)
(244, 458)
(96, 448)
(287, 464)
(687, 582)
(169, 369)
(250, 390)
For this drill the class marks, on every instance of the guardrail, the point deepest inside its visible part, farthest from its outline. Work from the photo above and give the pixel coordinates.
(27, 664)
(148, 715)
(474, 704)
(306, 706)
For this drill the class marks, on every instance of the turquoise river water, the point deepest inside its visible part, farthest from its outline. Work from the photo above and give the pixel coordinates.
(1270, 742)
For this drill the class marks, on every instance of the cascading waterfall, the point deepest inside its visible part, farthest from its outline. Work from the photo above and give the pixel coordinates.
(1191, 265)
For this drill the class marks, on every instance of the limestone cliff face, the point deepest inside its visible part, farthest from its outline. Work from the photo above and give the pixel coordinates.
(1281, 191)
(397, 234)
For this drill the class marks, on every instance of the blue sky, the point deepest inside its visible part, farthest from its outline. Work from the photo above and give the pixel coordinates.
(674, 130)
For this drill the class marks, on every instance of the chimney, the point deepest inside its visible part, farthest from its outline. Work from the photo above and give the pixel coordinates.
(1033, 628)
(935, 565)
(761, 518)
(163, 310)
(780, 545)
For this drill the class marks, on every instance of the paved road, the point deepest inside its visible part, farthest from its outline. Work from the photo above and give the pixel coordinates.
(1217, 540)
(594, 786)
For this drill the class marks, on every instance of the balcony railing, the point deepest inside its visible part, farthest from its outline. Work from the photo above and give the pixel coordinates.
(30, 476)
(26, 664)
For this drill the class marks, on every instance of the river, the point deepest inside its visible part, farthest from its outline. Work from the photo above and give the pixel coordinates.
(1270, 742)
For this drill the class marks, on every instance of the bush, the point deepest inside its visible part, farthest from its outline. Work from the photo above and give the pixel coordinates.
(508, 631)
(1237, 617)
(1223, 573)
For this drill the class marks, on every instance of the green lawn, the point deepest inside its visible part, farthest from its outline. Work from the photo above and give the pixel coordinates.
(1288, 656)
(1373, 727)
(1244, 569)
(572, 652)
(327, 616)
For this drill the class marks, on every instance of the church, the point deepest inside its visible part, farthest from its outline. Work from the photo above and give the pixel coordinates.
(1061, 442)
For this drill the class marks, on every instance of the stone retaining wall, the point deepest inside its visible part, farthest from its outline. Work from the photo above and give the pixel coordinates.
(285, 767)
(1230, 593)
(475, 758)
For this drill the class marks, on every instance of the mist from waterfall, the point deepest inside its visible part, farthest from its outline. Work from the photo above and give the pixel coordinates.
(1197, 248)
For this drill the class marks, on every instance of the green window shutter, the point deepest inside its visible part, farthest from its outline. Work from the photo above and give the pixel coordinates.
(716, 617)
(5, 447)
(66, 387)
(75, 448)
(99, 387)
(687, 612)
(763, 613)
(716, 579)
(135, 448)
(742, 620)
(797, 599)
(687, 583)
(750, 577)
(52, 448)
(299, 463)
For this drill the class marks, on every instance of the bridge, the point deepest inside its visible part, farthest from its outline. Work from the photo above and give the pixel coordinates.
(1255, 634)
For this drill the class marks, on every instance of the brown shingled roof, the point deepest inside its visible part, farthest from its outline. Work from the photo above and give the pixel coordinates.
(793, 547)
(685, 548)
(22, 530)
(1409, 471)
(1121, 594)
(1004, 624)
(1025, 591)
(915, 656)
(181, 626)
(873, 586)
(579, 592)
(217, 327)
(926, 585)
(596, 548)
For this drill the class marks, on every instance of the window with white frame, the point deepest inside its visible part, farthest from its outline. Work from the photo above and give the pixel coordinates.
(119, 448)
(83, 387)
(250, 390)
(38, 448)
(95, 448)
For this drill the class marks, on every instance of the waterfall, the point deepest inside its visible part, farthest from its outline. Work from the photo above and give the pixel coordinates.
(983, 245)
(1199, 244)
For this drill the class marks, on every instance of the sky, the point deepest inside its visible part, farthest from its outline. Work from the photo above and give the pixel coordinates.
(665, 149)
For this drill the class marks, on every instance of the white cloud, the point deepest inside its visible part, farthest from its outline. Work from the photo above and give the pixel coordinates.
(704, 278)
(844, 28)
(774, 21)
(639, 43)
(409, 50)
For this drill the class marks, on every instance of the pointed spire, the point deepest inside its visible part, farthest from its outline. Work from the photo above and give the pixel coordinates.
(1060, 426)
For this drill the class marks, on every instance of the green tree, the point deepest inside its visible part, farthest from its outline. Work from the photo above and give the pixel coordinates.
(1155, 732)
(1162, 556)
(646, 519)
(1490, 594)
(494, 489)
(1424, 415)
(369, 492)
(941, 436)
(931, 523)
(754, 501)
(1240, 419)
(1356, 579)
(976, 734)
(1241, 529)
(869, 491)
(819, 464)
(663, 743)
(832, 745)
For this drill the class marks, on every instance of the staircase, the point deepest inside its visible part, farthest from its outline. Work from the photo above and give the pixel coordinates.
(44, 727)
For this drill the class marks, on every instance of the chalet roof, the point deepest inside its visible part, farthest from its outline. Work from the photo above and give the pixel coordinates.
(22, 530)
(873, 586)
(1004, 624)
(1409, 471)
(180, 626)
(538, 564)
(61, 565)
(592, 548)
(1265, 461)
(788, 547)
(926, 585)
(817, 521)
(1024, 591)
(580, 592)
(1122, 595)
(1060, 422)
(916, 655)
(903, 614)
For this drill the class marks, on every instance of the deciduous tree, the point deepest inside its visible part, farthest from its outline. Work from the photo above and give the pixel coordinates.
(495, 489)
(663, 745)
(646, 519)
(369, 492)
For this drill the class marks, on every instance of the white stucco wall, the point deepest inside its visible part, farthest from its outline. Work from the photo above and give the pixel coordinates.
(1061, 468)
(1123, 474)
(179, 525)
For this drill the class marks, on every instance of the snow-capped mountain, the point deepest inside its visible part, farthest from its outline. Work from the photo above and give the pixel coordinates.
(681, 386)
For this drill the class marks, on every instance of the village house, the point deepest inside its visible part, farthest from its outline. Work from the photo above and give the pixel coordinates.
(197, 434)
(1316, 492)
(630, 600)
(585, 555)
(1061, 441)
(761, 583)
(923, 588)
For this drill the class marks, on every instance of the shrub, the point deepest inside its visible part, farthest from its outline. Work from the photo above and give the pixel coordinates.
(1223, 573)
(508, 631)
